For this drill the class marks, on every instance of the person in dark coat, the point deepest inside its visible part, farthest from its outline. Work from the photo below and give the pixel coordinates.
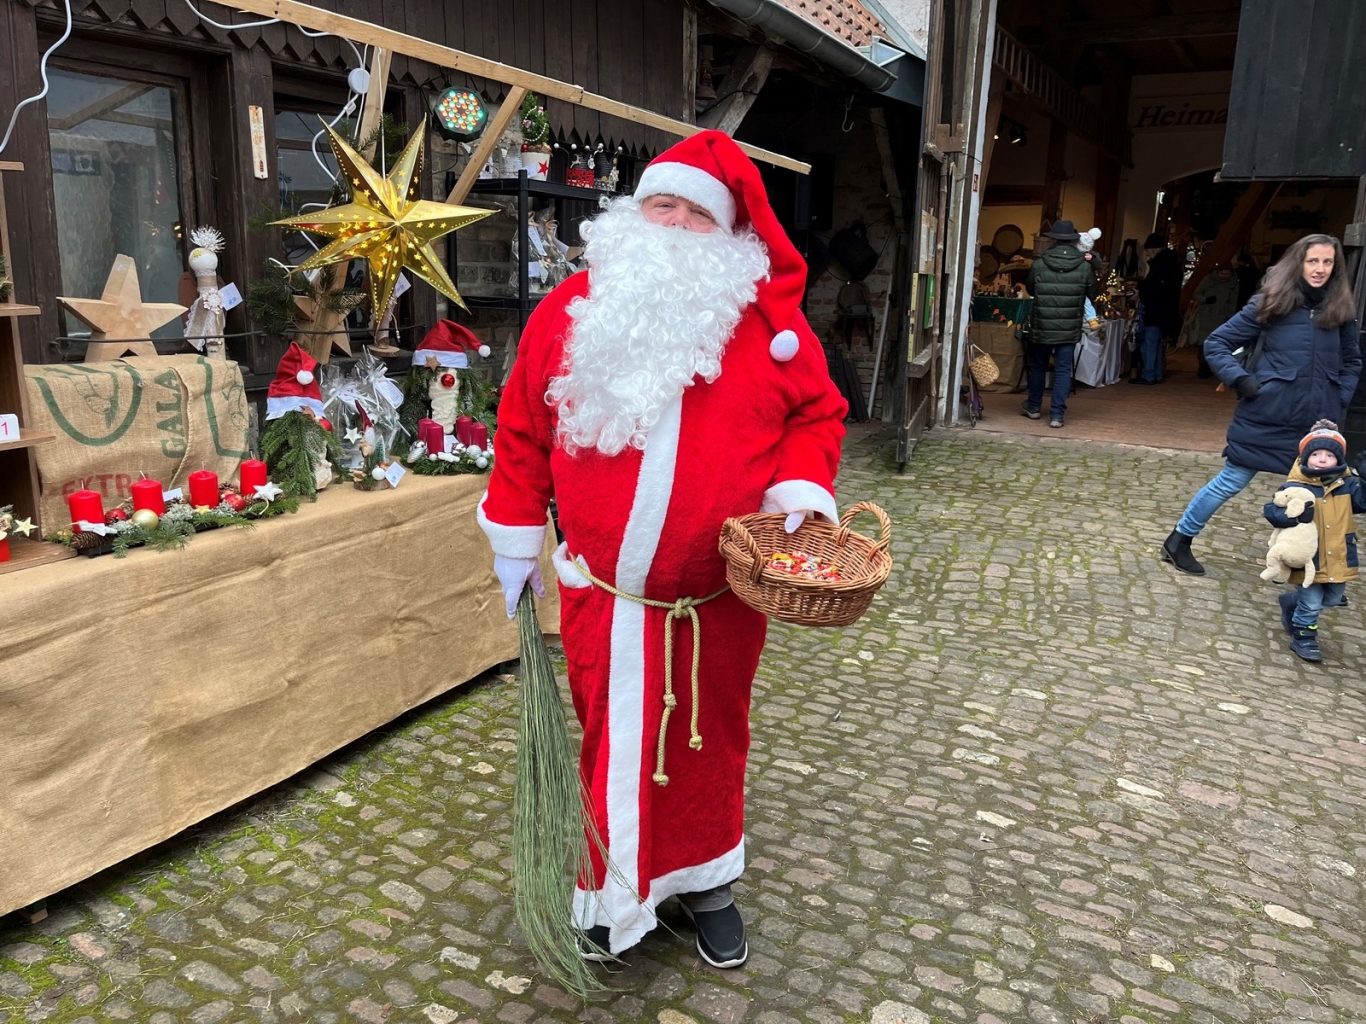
(1160, 292)
(1061, 280)
(1307, 370)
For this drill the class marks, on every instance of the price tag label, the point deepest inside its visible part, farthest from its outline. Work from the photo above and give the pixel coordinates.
(401, 285)
(232, 298)
(448, 440)
(174, 494)
(394, 474)
(9, 427)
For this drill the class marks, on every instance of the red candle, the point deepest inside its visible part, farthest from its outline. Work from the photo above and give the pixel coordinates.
(148, 494)
(4, 550)
(429, 432)
(86, 505)
(203, 488)
(251, 476)
(462, 429)
(479, 436)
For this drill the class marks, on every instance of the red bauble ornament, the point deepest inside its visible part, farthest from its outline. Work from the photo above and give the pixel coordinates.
(115, 515)
(325, 423)
(448, 380)
(235, 501)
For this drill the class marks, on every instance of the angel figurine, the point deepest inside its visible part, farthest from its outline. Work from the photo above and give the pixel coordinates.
(204, 328)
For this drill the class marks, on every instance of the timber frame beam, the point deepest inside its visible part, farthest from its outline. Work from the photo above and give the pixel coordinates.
(359, 31)
(739, 89)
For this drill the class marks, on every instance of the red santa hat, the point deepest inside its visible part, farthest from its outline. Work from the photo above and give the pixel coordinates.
(447, 343)
(711, 170)
(295, 386)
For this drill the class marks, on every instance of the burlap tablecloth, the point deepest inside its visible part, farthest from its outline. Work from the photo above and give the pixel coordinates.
(141, 695)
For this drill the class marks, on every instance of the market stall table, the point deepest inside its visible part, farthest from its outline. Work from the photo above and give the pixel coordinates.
(1100, 357)
(142, 695)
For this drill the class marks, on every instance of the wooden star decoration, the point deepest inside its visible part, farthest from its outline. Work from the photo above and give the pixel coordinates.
(386, 223)
(322, 327)
(120, 313)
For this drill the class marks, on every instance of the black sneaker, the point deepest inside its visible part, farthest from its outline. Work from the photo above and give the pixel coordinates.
(593, 944)
(1288, 601)
(1025, 410)
(720, 935)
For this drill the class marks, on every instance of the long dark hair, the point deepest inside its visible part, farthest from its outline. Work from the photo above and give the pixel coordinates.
(1280, 291)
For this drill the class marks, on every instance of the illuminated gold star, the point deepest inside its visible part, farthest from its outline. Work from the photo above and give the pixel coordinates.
(386, 223)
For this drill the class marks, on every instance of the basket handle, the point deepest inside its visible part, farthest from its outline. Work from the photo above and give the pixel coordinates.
(884, 542)
(735, 530)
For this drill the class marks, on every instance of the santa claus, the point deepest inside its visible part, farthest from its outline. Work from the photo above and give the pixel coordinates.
(673, 384)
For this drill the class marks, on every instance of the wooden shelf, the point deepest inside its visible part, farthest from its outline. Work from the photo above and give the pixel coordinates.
(27, 441)
(15, 309)
(25, 553)
(11, 165)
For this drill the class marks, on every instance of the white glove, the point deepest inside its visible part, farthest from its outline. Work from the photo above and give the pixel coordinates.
(514, 574)
(795, 519)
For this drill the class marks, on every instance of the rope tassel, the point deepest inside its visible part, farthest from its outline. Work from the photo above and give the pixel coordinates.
(683, 608)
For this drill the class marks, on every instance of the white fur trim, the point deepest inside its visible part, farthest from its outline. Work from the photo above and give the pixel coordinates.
(784, 345)
(617, 903)
(627, 929)
(450, 360)
(799, 495)
(511, 541)
(277, 407)
(568, 570)
(672, 178)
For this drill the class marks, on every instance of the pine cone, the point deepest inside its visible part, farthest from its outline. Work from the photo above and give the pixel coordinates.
(87, 541)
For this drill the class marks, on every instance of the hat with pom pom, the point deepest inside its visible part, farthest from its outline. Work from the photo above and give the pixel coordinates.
(448, 344)
(295, 386)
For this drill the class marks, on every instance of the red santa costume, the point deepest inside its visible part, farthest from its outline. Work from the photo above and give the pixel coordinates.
(655, 395)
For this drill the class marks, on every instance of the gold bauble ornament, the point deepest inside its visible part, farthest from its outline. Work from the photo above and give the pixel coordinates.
(146, 519)
(387, 223)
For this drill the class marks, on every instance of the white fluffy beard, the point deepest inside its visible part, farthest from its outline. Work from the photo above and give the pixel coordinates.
(662, 304)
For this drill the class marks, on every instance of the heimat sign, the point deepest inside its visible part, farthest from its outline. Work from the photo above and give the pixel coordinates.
(1179, 113)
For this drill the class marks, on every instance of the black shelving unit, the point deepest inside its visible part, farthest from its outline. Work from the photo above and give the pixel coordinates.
(525, 189)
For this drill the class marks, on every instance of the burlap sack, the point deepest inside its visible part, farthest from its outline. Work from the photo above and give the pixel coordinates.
(165, 417)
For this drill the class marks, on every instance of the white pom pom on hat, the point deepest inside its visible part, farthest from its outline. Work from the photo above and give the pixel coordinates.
(784, 346)
(304, 377)
(485, 351)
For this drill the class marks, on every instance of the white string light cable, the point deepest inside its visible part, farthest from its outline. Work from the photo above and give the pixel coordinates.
(42, 70)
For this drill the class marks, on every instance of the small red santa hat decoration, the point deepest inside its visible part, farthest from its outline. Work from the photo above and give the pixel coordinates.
(295, 386)
(446, 344)
(711, 170)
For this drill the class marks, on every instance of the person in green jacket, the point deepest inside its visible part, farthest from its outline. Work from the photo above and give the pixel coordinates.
(1061, 280)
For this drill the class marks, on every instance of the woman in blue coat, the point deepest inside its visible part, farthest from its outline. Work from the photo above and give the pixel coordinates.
(1307, 370)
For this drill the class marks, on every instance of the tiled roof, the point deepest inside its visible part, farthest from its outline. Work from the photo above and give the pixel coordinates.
(846, 19)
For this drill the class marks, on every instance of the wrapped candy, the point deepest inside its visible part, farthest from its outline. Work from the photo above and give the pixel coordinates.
(799, 563)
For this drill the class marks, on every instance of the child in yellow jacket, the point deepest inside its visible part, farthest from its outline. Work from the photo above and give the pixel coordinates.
(1322, 469)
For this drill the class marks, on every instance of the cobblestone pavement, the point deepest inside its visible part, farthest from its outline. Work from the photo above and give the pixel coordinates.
(1045, 780)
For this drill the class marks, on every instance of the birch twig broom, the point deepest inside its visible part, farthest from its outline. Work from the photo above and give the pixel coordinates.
(551, 823)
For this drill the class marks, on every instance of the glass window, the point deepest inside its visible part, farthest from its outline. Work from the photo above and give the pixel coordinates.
(116, 185)
(306, 171)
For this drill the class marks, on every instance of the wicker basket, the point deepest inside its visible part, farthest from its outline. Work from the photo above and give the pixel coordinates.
(982, 367)
(748, 543)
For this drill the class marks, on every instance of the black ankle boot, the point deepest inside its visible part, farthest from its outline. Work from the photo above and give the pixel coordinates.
(1177, 550)
(1305, 643)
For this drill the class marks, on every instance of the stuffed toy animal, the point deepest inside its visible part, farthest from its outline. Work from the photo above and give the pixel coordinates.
(1293, 548)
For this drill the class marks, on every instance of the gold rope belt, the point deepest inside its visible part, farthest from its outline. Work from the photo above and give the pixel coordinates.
(683, 608)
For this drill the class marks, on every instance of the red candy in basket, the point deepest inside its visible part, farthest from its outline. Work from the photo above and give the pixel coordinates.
(799, 563)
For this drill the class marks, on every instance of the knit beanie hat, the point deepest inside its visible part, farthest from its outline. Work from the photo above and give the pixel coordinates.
(1324, 436)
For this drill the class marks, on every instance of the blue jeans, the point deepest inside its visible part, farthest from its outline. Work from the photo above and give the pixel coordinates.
(1153, 354)
(1230, 481)
(1062, 356)
(1311, 600)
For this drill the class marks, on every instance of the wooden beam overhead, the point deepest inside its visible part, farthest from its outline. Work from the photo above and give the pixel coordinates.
(1140, 29)
(739, 89)
(359, 31)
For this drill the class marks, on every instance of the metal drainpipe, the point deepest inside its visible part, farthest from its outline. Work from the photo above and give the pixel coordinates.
(791, 29)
